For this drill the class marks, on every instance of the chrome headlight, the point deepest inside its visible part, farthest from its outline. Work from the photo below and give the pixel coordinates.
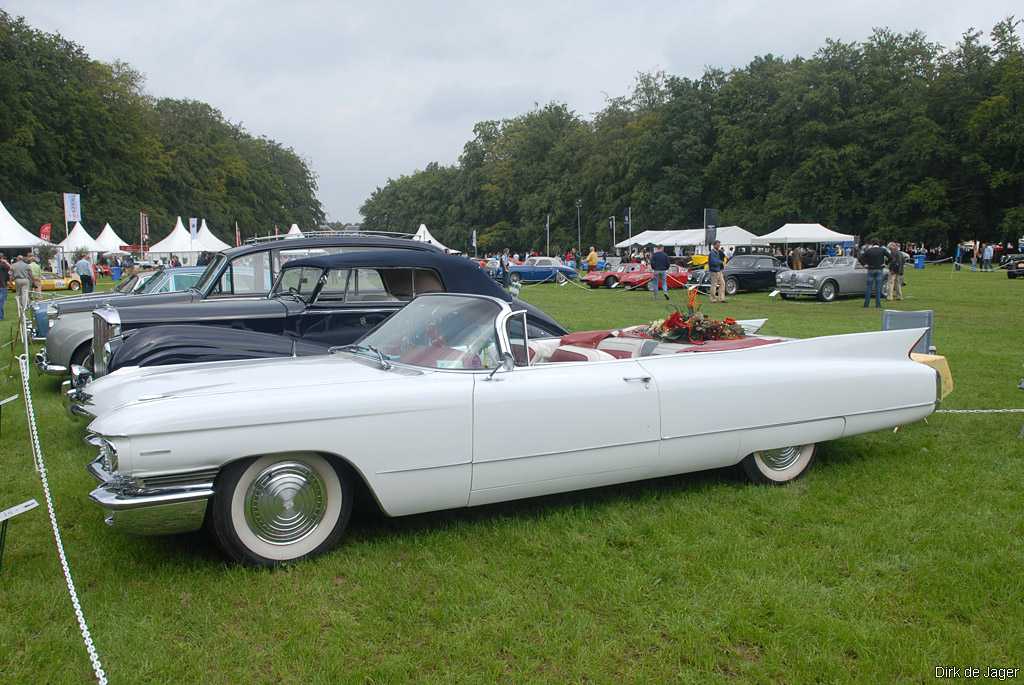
(108, 455)
(52, 312)
(812, 280)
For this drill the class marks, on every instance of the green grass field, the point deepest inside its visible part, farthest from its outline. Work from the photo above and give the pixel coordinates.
(897, 553)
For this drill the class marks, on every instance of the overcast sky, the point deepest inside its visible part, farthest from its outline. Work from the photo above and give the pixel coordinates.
(372, 90)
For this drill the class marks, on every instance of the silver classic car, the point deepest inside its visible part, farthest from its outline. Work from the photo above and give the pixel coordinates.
(833, 277)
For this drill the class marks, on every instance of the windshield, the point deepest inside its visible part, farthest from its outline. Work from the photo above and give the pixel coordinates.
(441, 332)
(834, 261)
(299, 281)
(212, 269)
(128, 285)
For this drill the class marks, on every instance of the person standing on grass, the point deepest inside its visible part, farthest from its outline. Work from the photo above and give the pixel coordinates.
(659, 265)
(716, 262)
(5, 277)
(874, 259)
(592, 259)
(22, 275)
(986, 258)
(503, 267)
(896, 265)
(84, 270)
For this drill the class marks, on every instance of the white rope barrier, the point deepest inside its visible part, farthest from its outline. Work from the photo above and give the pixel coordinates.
(37, 457)
(979, 411)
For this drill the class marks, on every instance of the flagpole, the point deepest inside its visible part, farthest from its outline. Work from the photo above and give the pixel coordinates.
(547, 232)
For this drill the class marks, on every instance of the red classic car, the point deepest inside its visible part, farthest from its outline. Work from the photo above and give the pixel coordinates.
(678, 277)
(611, 277)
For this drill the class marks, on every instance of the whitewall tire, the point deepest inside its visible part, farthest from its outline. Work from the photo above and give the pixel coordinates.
(280, 508)
(777, 466)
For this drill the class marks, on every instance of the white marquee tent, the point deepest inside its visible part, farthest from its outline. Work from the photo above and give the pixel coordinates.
(109, 242)
(691, 237)
(294, 231)
(208, 241)
(803, 233)
(13, 234)
(79, 239)
(424, 236)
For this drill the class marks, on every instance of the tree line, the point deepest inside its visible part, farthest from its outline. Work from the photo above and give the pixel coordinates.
(894, 137)
(72, 124)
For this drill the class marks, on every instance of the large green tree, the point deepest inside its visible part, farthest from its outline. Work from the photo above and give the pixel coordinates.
(72, 124)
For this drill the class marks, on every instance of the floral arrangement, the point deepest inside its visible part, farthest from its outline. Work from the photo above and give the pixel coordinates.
(693, 326)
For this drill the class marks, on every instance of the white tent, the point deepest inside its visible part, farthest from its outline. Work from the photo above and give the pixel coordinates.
(108, 241)
(690, 237)
(803, 233)
(13, 234)
(208, 241)
(79, 239)
(178, 243)
(651, 238)
(294, 231)
(424, 236)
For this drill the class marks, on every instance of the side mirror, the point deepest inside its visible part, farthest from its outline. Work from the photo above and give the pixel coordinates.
(508, 362)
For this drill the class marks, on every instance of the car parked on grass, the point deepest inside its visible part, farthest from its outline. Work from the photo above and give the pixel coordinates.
(315, 304)
(677, 277)
(832, 278)
(270, 453)
(610, 277)
(750, 272)
(540, 269)
(39, 321)
(239, 273)
(1014, 265)
(68, 340)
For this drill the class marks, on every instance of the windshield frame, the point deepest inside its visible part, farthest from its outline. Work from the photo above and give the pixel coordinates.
(212, 269)
(503, 312)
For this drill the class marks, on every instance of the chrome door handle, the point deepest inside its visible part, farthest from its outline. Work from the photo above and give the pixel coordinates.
(637, 379)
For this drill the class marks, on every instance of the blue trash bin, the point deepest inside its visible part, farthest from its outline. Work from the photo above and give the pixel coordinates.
(115, 273)
(919, 261)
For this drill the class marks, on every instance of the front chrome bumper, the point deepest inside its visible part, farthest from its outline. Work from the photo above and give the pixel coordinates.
(149, 511)
(798, 288)
(44, 365)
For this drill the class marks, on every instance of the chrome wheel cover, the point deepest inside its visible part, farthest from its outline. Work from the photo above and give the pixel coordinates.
(285, 502)
(781, 458)
(828, 291)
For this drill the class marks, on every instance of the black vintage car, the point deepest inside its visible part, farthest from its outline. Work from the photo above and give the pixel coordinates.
(1014, 265)
(314, 304)
(744, 272)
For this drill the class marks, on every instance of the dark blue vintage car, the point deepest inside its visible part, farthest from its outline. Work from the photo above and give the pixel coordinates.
(314, 304)
(536, 270)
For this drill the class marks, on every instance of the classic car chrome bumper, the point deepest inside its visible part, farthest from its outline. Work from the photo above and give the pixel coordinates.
(76, 402)
(149, 511)
(798, 288)
(44, 365)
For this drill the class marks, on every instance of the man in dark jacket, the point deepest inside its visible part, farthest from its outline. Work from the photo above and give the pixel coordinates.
(874, 258)
(897, 264)
(5, 274)
(659, 265)
(716, 262)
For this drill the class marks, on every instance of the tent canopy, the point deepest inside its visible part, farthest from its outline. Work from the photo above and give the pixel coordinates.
(13, 234)
(180, 240)
(294, 230)
(804, 233)
(208, 242)
(729, 235)
(79, 239)
(108, 241)
(424, 236)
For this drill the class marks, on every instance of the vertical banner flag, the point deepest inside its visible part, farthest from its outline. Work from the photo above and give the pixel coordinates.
(44, 231)
(474, 237)
(193, 226)
(72, 207)
(710, 225)
(238, 236)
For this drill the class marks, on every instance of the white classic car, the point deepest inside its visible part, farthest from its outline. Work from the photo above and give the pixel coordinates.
(418, 414)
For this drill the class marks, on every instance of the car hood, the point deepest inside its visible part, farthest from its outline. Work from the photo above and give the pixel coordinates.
(123, 300)
(222, 383)
(188, 311)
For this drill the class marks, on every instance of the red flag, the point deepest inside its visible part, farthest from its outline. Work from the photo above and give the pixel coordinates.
(44, 231)
(238, 236)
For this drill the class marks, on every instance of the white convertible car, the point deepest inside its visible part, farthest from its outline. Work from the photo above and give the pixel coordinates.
(451, 403)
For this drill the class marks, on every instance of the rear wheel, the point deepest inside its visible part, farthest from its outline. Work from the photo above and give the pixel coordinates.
(611, 281)
(828, 291)
(731, 286)
(780, 465)
(280, 508)
(74, 285)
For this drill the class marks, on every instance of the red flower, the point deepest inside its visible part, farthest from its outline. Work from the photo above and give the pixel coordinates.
(729, 320)
(674, 321)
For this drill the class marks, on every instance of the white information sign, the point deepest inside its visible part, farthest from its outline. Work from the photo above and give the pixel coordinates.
(18, 509)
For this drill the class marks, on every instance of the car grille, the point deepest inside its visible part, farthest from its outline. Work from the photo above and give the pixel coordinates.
(102, 332)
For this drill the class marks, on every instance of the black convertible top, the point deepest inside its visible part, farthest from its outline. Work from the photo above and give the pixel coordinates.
(460, 275)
